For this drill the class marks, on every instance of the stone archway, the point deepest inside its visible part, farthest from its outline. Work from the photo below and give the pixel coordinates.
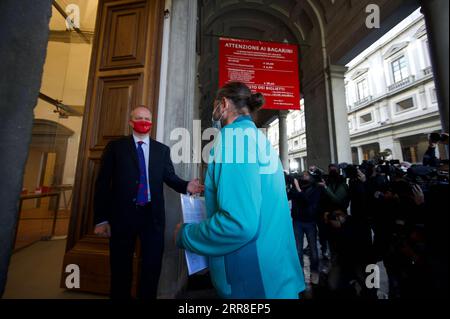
(297, 22)
(249, 20)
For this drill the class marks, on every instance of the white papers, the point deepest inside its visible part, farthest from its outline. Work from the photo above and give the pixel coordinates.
(194, 211)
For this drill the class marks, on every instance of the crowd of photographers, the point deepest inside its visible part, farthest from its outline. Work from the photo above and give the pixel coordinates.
(380, 210)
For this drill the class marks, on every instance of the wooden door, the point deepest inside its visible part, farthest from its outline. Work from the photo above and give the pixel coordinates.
(124, 72)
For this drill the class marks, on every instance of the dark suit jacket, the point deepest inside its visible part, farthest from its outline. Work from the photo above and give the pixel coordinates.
(118, 180)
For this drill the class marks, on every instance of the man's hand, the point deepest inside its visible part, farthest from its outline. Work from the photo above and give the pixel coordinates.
(322, 183)
(418, 195)
(297, 186)
(194, 187)
(175, 232)
(103, 230)
(361, 176)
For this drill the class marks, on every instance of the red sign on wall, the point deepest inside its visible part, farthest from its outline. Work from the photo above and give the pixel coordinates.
(266, 67)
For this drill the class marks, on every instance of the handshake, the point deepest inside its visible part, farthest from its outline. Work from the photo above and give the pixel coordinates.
(194, 187)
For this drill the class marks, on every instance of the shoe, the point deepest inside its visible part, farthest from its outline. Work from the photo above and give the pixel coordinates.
(307, 251)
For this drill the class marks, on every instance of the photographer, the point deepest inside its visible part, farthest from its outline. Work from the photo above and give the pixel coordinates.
(405, 257)
(336, 189)
(306, 196)
(429, 158)
(359, 209)
(398, 219)
(336, 197)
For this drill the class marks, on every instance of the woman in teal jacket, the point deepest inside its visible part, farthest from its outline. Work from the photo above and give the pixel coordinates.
(248, 234)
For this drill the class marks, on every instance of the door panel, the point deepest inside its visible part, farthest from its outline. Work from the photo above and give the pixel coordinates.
(124, 72)
(122, 45)
(116, 96)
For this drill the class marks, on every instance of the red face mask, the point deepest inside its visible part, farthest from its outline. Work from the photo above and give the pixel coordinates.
(142, 127)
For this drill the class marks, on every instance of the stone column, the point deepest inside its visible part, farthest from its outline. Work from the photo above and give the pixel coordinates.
(23, 46)
(397, 153)
(283, 139)
(360, 154)
(340, 115)
(436, 19)
(176, 110)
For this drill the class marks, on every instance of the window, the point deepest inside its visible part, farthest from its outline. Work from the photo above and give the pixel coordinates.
(370, 151)
(399, 69)
(296, 125)
(366, 118)
(290, 128)
(347, 100)
(410, 154)
(404, 105)
(295, 144)
(433, 95)
(362, 89)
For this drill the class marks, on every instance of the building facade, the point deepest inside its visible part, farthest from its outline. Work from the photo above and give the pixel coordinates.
(390, 96)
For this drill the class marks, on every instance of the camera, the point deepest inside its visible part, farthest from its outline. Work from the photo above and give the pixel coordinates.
(289, 179)
(438, 138)
(390, 168)
(317, 175)
(349, 170)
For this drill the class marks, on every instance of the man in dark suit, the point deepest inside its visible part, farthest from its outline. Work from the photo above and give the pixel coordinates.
(129, 204)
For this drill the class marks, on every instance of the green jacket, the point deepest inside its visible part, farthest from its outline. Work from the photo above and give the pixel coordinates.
(248, 234)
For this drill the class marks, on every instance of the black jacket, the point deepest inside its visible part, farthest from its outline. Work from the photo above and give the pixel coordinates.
(306, 204)
(118, 180)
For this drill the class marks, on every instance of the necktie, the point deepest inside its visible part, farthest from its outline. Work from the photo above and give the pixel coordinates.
(143, 191)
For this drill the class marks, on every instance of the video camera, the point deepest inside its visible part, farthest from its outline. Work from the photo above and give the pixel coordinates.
(289, 179)
(351, 171)
(390, 168)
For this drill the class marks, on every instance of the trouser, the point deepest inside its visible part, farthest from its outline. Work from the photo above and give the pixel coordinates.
(140, 223)
(323, 235)
(310, 230)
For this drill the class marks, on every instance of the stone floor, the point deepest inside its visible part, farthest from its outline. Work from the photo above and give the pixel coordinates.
(35, 271)
(311, 291)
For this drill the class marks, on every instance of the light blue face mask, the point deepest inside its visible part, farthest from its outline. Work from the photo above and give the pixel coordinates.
(216, 123)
